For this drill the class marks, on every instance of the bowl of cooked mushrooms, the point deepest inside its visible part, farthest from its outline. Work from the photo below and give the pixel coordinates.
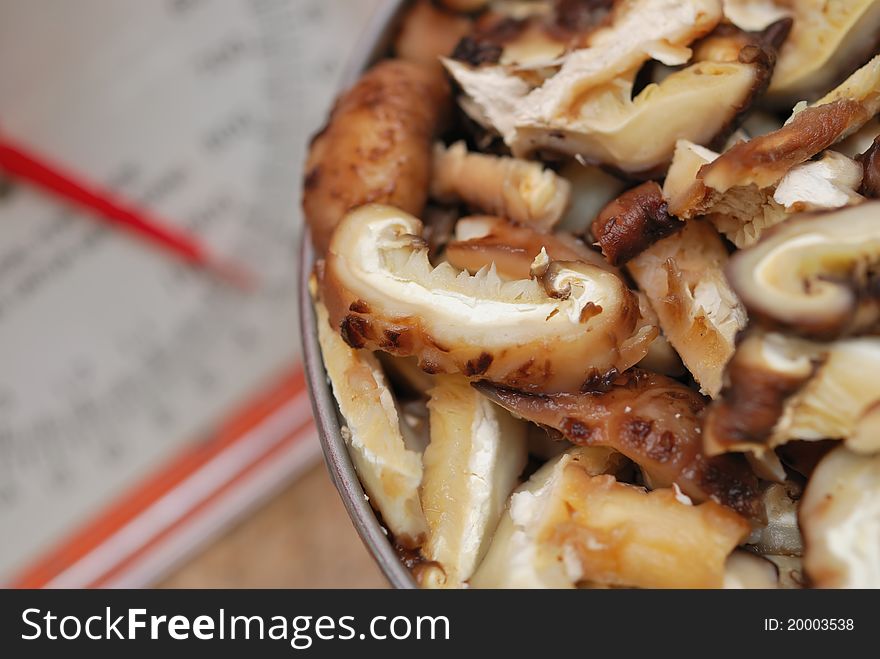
(591, 293)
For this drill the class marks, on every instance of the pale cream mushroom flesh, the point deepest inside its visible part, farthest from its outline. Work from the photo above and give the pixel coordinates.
(472, 464)
(381, 291)
(390, 471)
(840, 518)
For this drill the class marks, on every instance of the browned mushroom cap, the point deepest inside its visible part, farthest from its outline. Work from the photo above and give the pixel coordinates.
(548, 334)
(376, 147)
(428, 33)
(633, 222)
(815, 275)
(482, 241)
(654, 421)
(766, 370)
(871, 178)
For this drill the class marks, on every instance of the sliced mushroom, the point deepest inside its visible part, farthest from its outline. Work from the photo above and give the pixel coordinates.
(871, 162)
(428, 33)
(829, 38)
(472, 464)
(840, 518)
(745, 570)
(587, 109)
(766, 370)
(816, 275)
(737, 188)
(652, 420)
(825, 184)
(390, 471)
(699, 313)
(839, 401)
(569, 526)
(576, 323)
(633, 222)
(763, 161)
(791, 571)
(781, 536)
(745, 212)
(482, 241)
(518, 190)
(637, 135)
(376, 147)
(516, 557)
(405, 375)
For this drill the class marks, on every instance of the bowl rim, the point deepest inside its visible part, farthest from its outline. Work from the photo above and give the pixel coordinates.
(372, 45)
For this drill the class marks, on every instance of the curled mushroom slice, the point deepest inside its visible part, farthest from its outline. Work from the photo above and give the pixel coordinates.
(472, 464)
(390, 471)
(816, 275)
(840, 518)
(637, 135)
(574, 323)
(519, 190)
(428, 33)
(745, 212)
(516, 557)
(651, 419)
(568, 526)
(699, 313)
(829, 38)
(390, 115)
(754, 15)
(633, 222)
(482, 241)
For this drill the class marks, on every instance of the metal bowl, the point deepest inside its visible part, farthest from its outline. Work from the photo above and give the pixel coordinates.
(373, 46)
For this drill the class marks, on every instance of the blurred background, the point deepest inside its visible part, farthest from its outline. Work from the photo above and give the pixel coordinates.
(154, 424)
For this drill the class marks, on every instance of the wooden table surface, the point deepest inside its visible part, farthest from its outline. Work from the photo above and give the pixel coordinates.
(302, 538)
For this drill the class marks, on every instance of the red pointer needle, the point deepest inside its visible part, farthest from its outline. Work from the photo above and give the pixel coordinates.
(18, 164)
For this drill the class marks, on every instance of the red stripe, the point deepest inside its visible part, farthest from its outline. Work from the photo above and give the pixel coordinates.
(291, 440)
(142, 496)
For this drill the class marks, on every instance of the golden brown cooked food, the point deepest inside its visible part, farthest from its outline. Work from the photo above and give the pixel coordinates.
(472, 464)
(651, 419)
(569, 526)
(376, 147)
(483, 241)
(633, 222)
(575, 322)
(736, 182)
(700, 315)
(390, 470)
(829, 39)
(519, 190)
(815, 275)
(840, 518)
(428, 33)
